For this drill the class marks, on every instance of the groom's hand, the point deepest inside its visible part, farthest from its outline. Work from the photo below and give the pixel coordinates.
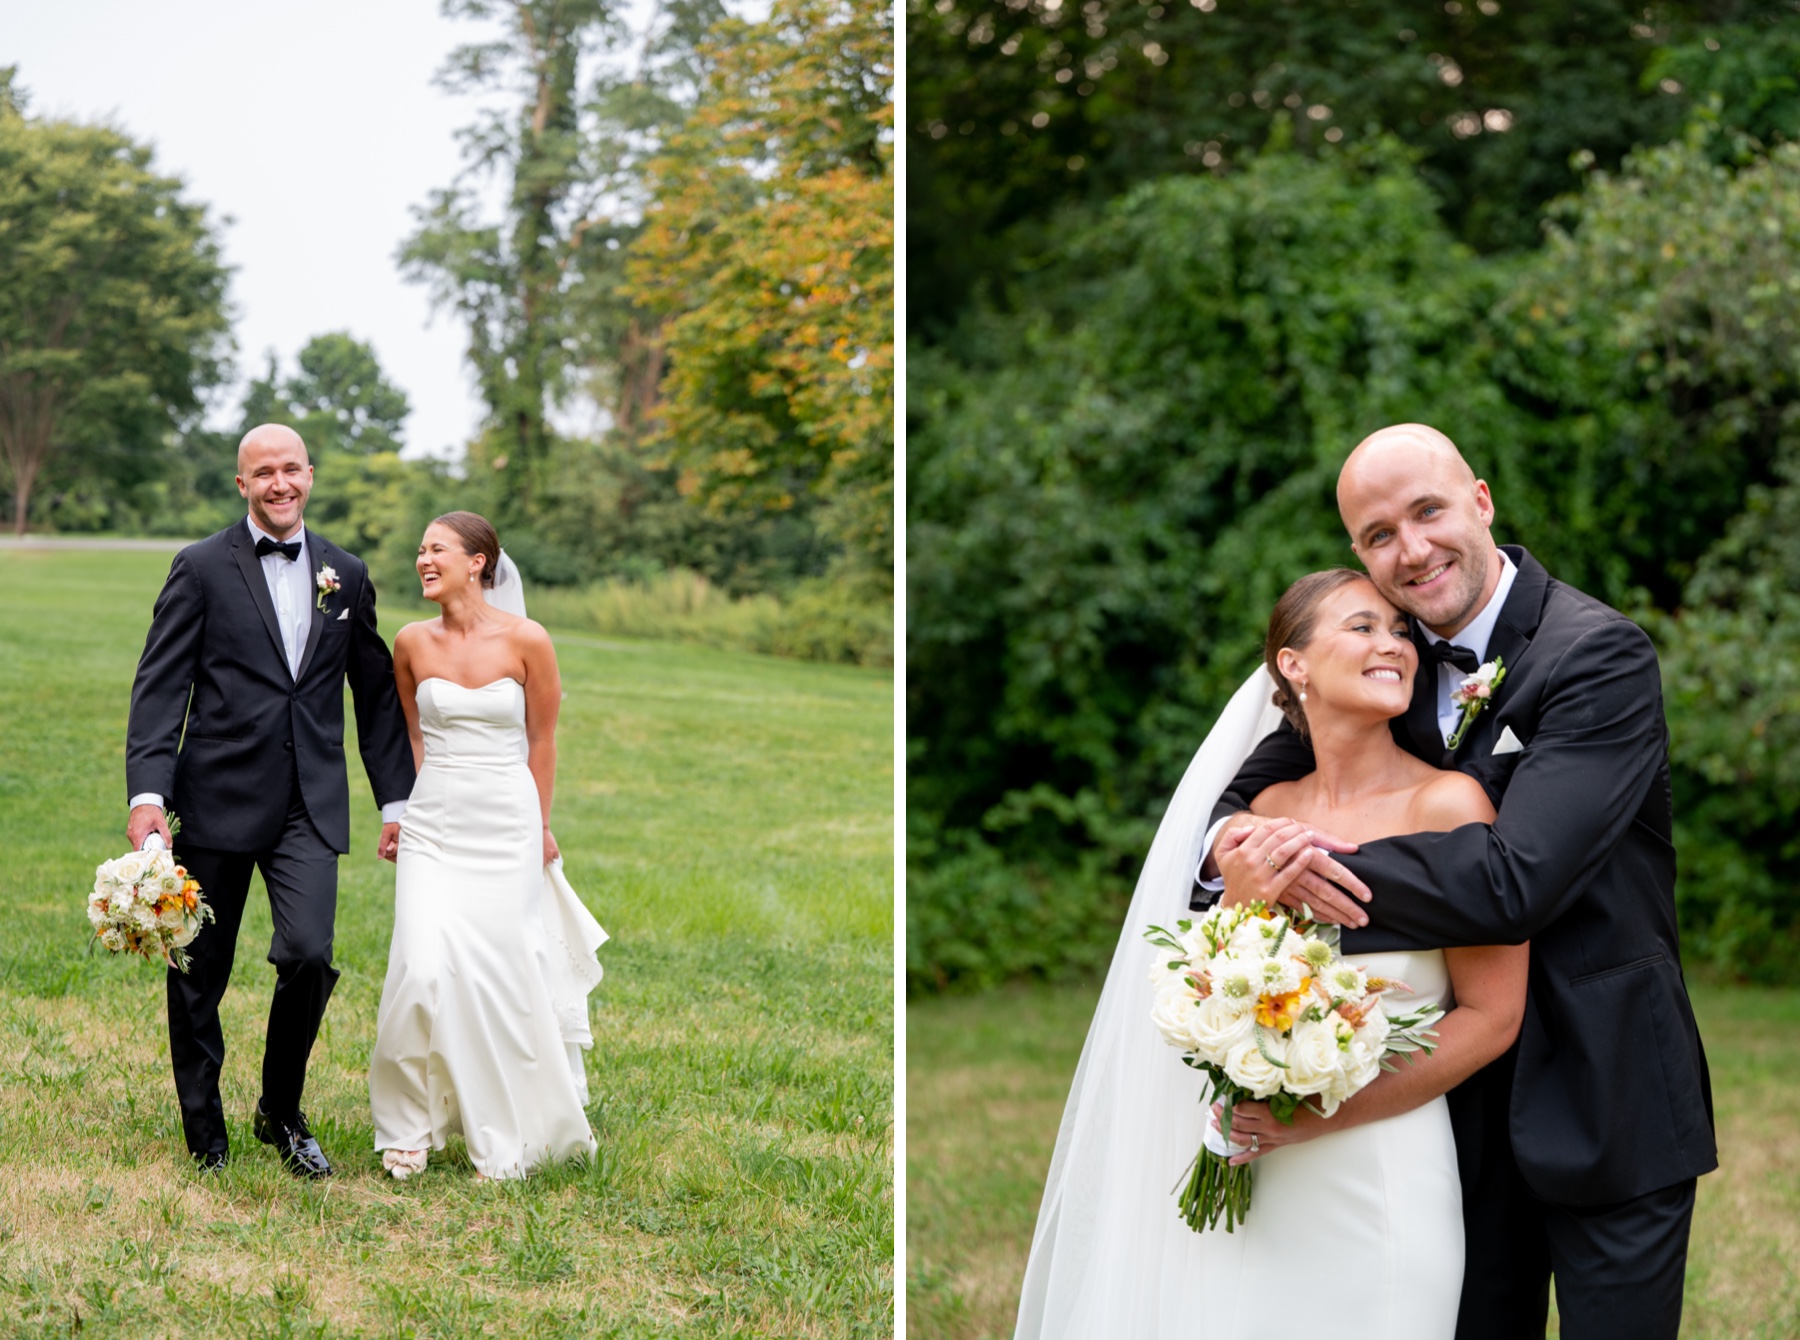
(388, 848)
(142, 822)
(1283, 861)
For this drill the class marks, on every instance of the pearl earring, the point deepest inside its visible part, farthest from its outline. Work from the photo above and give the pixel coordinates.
(1302, 695)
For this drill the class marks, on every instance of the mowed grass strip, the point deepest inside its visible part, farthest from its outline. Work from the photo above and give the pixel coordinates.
(987, 1076)
(728, 818)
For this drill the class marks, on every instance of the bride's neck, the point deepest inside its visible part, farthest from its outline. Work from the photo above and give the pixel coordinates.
(1352, 758)
(463, 611)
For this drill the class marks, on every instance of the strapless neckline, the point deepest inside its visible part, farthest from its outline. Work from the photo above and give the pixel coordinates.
(468, 688)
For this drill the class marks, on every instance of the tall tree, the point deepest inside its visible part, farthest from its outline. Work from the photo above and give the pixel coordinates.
(538, 285)
(112, 294)
(768, 255)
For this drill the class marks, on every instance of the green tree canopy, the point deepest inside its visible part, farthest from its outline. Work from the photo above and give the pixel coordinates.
(1019, 109)
(768, 257)
(112, 298)
(339, 400)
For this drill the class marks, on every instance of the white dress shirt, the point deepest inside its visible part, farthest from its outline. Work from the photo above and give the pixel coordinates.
(291, 589)
(1475, 636)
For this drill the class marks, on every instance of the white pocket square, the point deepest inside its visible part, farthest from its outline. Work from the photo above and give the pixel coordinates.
(1508, 743)
(346, 615)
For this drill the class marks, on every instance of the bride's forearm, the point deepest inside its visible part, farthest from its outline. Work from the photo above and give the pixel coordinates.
(1467, 1039)
(542, 762)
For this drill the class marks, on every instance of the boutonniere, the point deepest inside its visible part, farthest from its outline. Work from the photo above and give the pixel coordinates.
(1474, 693)
(329, 585)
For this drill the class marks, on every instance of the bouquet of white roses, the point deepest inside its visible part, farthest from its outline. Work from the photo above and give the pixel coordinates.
(1265, 1006)
(144, 903)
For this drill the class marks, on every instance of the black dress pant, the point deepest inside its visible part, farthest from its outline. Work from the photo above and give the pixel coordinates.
(1618, 1269)
(300, 870)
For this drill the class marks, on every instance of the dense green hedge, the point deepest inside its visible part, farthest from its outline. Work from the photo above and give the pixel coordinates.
(1110, 483)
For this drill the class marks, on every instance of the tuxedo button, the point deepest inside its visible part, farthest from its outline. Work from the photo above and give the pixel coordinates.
(288, 745)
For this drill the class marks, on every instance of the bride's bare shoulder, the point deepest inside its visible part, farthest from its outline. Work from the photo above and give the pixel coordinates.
(413, 634)
(1449, 800)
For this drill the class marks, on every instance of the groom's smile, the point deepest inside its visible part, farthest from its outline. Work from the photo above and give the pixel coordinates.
(275, 478)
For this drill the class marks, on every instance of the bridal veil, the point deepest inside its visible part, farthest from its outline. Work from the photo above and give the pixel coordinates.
(1110, 1256)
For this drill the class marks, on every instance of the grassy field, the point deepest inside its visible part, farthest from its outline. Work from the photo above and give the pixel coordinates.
(986, 1079)
(728, 818)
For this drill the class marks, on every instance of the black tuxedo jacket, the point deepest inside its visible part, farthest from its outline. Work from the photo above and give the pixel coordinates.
(1610, 1097)
(213, 662)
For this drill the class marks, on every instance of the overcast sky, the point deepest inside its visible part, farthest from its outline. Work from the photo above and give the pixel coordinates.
(314, 127)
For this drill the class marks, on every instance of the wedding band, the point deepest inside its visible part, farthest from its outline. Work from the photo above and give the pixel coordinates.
(1255, 1143)
(1271, 861)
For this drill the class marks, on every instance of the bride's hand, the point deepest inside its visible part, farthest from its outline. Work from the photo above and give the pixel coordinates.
(1254, 1119)
(388, 847)
(1283, 861)
(551, 850)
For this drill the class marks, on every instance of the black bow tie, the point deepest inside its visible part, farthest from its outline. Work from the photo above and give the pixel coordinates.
(290, 550)
(1461, 657)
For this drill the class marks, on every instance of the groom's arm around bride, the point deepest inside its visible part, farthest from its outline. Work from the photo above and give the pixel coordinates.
(1579, 1148)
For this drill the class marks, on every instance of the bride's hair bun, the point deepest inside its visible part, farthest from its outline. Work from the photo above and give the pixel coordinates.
(477, 537)
(1291, 626)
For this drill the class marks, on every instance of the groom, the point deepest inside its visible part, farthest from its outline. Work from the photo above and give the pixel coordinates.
(1579, 1148)
(237, 723)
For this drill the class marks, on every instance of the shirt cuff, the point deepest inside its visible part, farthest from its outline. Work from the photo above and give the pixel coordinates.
(1212, 836)
(146, 798)
(393, 811)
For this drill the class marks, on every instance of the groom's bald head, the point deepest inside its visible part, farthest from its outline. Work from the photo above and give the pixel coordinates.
(275, 477)
(269, 437)
(1418, 519)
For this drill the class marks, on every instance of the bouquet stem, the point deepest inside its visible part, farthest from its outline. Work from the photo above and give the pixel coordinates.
(1215, 1189)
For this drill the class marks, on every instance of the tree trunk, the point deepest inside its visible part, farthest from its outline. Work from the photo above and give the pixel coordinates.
(27, 422)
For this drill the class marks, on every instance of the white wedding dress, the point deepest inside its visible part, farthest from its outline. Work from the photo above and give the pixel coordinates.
(484, 1010)
(1358, 1231)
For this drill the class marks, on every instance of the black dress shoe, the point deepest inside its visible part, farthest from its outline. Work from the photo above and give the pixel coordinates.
(210, 1162)
(293, 1140)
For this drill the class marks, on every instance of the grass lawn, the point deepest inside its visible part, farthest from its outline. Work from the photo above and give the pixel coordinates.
(987, 1075)
(728, 818)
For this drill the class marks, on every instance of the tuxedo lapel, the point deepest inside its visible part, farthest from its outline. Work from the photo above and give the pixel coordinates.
(321, 558)
(1522, 612)
(251, 566)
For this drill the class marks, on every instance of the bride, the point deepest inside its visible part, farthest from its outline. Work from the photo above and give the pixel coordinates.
(484, 1009)
(1361, 1212)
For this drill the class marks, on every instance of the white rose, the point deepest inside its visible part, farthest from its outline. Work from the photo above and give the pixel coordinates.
(1170, 1015)
(1247, 1066)
(1216, 1026)
(1313, 1058)
(130, 868)
(1375, 1029)
(184, 937)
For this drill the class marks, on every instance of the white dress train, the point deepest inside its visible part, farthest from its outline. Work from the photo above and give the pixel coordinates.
(1362, 1228)
(483, 1012)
